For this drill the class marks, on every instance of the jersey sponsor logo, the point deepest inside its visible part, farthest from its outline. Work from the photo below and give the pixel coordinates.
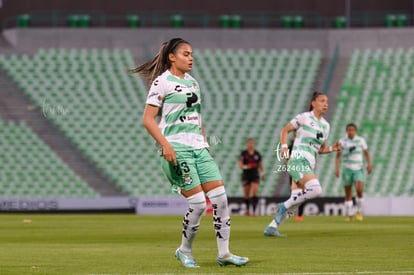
(319, 135)
(191, 98)
(188, 118)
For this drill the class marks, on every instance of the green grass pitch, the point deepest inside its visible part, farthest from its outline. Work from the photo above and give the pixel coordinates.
(130, 244)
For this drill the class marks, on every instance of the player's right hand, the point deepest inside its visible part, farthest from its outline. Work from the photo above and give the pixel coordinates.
(169, 154)
(337, 173)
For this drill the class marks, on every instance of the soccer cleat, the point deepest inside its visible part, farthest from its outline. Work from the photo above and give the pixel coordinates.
(186, 260)
(232, 259)
(358, 216)
(281, 210)
(299, 218)
(273, 232)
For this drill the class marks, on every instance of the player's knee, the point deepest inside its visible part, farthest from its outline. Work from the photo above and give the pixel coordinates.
(313, 186)
(317, 190)
(197, 203)
(201, 207)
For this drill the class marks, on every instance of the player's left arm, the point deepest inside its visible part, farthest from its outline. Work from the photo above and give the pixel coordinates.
(325, 149)
(368, 158)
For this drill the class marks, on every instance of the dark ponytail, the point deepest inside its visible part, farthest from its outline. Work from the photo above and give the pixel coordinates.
(150, 70)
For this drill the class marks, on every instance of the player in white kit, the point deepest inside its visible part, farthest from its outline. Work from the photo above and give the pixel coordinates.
(354, 148)
(312, 131)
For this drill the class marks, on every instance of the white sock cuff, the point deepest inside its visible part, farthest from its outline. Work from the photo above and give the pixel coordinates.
(295, 191)
(312, 183)
(273, 223)
(216, 192)
(198, 198)
(349, 203)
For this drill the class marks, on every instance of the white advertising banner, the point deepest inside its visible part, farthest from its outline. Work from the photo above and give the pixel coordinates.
(161, 206)
(374, 206)
(66, 204)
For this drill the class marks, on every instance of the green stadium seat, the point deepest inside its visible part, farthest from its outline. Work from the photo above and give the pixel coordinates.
(177, 21)
(236, 21)
(401, 20)
(30, 164)
(297, 22)
(378, 111)
(84, 20)
(390, 20)
(103, 123)
(74, 20)
(340, 22)
(23, 20)
(225, 21)
(287, 21)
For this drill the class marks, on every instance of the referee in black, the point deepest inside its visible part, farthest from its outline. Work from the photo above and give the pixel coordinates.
(250, 161)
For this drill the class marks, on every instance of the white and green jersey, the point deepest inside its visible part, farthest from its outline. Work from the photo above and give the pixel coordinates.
(311, 133)
(352, 151)
(180, 110)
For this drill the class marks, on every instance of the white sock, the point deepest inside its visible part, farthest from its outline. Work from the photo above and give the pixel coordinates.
(291, 211)
(221, 219)
(359, 203)
(348, 208)
(312, 190)
(191, 222)
(273, 224)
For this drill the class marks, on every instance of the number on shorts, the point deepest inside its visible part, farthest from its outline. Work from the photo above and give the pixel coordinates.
(181, 167)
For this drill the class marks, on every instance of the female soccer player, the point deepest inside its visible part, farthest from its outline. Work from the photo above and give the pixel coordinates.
(353, 149)
(172, 116)
(250, 161)
(312, 131)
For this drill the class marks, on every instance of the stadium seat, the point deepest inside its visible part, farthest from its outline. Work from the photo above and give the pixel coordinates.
(31, 169)
(225, 21)
(257, 103)
(377, 94)
(23, 20)
(91, 98)
(177, 21)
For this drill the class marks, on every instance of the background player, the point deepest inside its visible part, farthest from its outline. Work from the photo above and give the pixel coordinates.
(312, 131)
(353, 149)
(250, 161)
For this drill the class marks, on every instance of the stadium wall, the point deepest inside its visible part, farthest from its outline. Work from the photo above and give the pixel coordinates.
(144, 42)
